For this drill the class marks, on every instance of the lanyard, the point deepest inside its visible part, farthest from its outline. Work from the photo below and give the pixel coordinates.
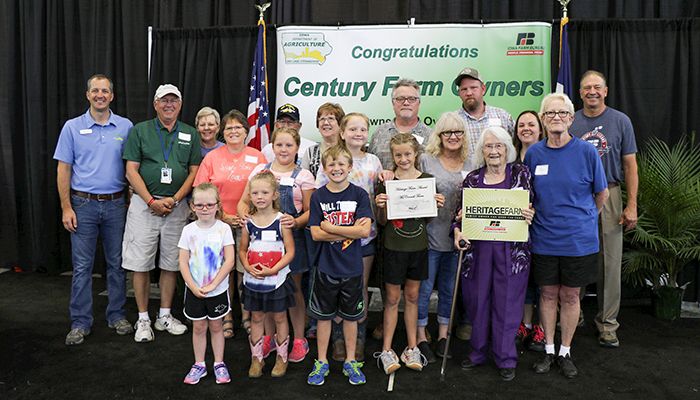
(166, 152)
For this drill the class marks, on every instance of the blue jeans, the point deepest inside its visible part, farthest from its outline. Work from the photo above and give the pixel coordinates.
(442, 266)
(105, 218)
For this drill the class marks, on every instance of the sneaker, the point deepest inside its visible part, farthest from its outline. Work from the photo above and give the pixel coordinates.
(76, 336)
(507, 374)
(352, 370)
(567, 367)
(427, 352)
(221, 373)
(608, 339)
(196, 373)
(300, 349)
(171, 324)
(413, 359)
(440, 348)
(144, 333)
(269, 345)
(122, 327)
(544, 364)
(388, 361)
(318, 375)
(464, 332)
(522, 333)
(536, 340)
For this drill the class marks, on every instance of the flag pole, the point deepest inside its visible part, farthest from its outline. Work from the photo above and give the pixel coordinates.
(564, 20)
(261, 20)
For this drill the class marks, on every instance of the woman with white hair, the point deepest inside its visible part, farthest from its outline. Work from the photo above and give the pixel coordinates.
(207, 123)
(495, 273)
(571, 188)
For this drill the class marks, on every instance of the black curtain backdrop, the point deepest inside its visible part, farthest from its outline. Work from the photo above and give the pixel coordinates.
(50, 47)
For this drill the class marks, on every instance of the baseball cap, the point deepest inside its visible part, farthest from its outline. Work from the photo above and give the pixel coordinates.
(288, 110)
(167, 89)
(468, 72)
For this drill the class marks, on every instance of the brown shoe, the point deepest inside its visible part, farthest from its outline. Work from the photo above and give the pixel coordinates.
(280, 368)
(338, 350)
(464, 332)
(378, 332)
(256, 360)
(360, 351)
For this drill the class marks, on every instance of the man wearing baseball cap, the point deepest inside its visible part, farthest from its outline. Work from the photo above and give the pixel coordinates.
(476, 114)
(162, 157)
(288, 116)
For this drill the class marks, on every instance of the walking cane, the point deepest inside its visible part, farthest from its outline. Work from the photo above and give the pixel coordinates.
(462, 244)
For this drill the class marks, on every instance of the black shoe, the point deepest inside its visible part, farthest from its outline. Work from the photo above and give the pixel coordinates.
(507, 374)
(567, 367)
(544, 364)
(440, 348)
(425, 350)
(468, 364)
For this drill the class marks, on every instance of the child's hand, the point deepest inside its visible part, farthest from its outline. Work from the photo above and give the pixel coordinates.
(325, 225)
(381, 199)
(287, 221)
(199, 292)
(206, 289)
(386, 175)
(257, 271)
(440, 199)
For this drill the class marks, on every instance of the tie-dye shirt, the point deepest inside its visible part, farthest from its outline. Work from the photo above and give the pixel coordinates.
(206, 247)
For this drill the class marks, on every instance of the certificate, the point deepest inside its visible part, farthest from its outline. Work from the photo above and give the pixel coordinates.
(410, 198)
(494, 214)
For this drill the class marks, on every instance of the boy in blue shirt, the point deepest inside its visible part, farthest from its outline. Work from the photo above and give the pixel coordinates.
(340, 215)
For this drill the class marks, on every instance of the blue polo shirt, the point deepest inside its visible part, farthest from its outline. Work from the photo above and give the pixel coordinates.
(95, 153)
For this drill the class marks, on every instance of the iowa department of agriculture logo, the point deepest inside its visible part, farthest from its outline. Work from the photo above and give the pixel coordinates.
(305, 48)
(525, 45)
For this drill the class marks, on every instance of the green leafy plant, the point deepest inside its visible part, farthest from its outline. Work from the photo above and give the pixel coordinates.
(667, 235)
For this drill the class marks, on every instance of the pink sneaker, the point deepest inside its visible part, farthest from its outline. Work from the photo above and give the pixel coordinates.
(300, 349)
(269, 345)
(196, 373)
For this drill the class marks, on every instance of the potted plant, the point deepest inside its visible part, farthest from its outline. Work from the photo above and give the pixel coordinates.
(667, 236)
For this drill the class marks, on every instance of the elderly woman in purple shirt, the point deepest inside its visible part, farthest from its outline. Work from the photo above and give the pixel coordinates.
(495, 273)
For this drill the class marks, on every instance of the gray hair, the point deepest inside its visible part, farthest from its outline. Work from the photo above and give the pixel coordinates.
(407, 82)
(205, 112)
(556, 96)
(502, 136)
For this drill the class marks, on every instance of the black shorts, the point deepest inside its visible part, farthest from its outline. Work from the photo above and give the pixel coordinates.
(209, 307)
(402, 265)
(335, 296)
(573, 272)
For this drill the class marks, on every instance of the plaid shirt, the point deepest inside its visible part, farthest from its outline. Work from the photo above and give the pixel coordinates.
(493, 116)
(379, 144)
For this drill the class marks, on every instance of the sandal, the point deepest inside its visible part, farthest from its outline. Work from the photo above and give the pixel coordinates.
(245, 324)
(228, 328)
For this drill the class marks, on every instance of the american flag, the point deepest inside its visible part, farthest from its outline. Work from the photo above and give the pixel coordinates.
(564, 83)
(258, 109)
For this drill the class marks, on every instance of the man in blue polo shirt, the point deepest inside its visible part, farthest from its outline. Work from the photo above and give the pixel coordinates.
(90, 180)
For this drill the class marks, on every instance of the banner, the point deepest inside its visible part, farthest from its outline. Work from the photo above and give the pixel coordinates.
(356, 67)
(494, 214)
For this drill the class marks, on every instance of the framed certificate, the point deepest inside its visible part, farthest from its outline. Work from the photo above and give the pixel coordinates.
(494, 214)
(411, 198)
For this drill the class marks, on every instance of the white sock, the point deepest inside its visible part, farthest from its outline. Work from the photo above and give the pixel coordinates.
(549, 348)
(528, 326)
(144, 316)
(201, 364)
(163, 312)
(216, 364)
(564, 350)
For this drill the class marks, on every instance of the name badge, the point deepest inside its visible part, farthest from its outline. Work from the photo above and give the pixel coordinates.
(185, 137)
(268, 236)
(542, 169)
(166, 175)
(251, 159)
(419, 139)
(347, 206)
(287, 181)
(85, 131)
(494, 122)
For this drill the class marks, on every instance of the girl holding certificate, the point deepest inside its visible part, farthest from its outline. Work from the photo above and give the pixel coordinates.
(495, 273)
(405, 243)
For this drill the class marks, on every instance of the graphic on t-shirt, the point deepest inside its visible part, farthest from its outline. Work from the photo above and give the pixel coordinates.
(597, 139)
(340, 213)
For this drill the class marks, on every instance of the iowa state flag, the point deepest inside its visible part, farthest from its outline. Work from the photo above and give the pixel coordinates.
(564, 76)
(258, 109)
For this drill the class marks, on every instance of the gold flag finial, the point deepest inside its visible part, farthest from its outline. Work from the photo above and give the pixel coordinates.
(264, 6)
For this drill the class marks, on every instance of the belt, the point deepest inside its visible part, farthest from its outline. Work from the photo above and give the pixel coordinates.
(98, 197)
(613, 184)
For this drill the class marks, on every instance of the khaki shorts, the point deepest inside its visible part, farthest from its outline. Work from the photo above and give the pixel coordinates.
(144, 232)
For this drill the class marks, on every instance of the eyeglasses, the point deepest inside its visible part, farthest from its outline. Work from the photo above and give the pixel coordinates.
(447, 134)
(561, 114)
(202, 206)
(169, 101)
(403, 99)
(327, 119)
(497, 146)
(234, 128)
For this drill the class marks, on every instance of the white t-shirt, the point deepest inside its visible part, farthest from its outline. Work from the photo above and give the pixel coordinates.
(206, 247)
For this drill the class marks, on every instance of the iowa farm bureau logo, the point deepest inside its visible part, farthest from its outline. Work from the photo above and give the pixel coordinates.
(525, 46)
(305, 48)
